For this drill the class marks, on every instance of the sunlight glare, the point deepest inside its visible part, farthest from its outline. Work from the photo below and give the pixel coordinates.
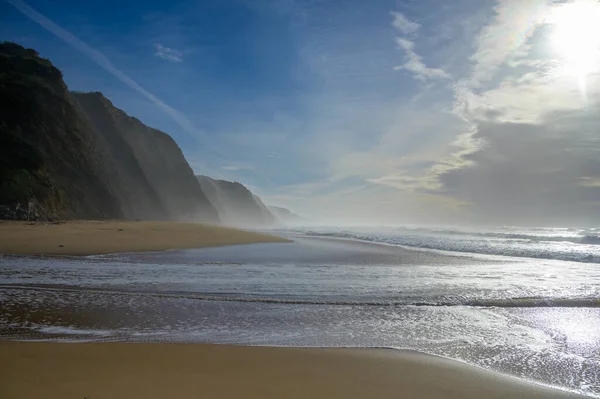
(576, 36)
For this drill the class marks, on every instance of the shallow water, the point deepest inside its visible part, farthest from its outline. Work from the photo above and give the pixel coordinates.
(319, 292)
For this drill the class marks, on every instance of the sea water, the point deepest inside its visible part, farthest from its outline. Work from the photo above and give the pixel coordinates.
(535, 317)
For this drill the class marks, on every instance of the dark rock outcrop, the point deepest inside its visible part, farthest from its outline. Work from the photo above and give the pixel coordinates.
(235, 203)
(75, 155)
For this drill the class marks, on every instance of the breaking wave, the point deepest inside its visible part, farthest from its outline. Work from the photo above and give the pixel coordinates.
(578, 245)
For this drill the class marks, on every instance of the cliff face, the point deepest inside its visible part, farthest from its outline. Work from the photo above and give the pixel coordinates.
(284, 215)
(155, 179)
(235, 203)
(46, 152)
(81, 157)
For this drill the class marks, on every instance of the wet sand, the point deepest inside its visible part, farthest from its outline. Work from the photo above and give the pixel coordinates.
(106, 237)
(121, 370)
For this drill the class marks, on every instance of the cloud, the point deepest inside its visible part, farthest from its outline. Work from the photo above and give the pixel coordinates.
(511, 139)
(503, 136)
(103, 62)
(403, 24)
(506, 38)
(413, 61)
(528, 173)
(504, 80)
(404, 163)
(402, 182)
(538, 158)
(587, 181)
(529, 101)
(167, 53)
(529, 149)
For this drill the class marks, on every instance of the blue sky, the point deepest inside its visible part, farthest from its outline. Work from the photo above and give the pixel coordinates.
(470, 111)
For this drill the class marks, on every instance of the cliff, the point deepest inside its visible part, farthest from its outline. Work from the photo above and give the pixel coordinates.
(80, 157)
(46, 152)
(155, 180)
(284, 215)
(235, 203)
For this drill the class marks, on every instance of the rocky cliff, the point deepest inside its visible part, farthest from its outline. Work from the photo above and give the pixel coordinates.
(235, 203)
(284, 215)
(155, 180)
(78, 156)
(46, 152)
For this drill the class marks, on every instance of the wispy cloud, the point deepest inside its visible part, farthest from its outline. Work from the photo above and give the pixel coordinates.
(168, 53)
(103, 62)
(413, 62)
(506, 37)
(587, 181)
(403, 24)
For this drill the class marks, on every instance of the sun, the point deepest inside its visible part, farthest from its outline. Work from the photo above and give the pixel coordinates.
(576, 36)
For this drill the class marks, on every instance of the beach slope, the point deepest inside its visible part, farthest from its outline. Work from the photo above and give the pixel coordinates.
(105, 237)
(149, 371)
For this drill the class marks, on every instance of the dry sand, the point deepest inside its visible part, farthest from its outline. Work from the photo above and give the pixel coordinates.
(148, 371)
(104, 237)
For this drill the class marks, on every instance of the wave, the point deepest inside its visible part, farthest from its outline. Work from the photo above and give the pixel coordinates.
(578, 236)
(62, 330)
(528, 302)
(584, 248)
(590, 239)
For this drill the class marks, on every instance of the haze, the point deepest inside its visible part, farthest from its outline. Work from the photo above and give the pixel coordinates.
(388, 111)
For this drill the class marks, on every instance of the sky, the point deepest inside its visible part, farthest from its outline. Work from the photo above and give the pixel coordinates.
(396, 112)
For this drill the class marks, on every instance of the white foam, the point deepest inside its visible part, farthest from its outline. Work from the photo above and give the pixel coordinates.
(62, 330)
(578, 246)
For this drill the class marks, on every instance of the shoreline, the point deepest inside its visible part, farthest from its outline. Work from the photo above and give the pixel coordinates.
(158, 370)
(146, 297)
(484, 258)
(93, 237)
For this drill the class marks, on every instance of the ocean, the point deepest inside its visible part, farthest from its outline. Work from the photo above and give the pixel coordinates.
(572, 244)
(520, 301)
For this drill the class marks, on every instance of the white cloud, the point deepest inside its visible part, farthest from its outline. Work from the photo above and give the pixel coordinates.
(517, 143)
(505, 39)
(405, 44)
(527, 102)
(413, 62)
(587, 181)
(403, 24)
(514, 77)
(167, 53)
(531, 154)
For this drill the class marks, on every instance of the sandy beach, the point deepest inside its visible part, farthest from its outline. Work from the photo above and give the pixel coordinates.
(125, 370)
(123, 309)
(105, 237)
